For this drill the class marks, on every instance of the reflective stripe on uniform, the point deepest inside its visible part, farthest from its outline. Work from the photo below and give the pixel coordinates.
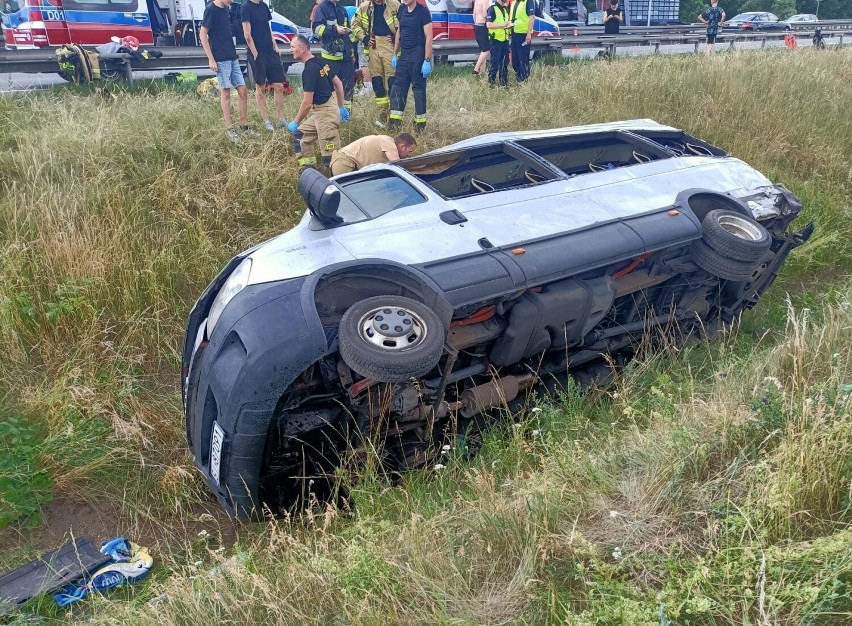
(396, 115)
(419, 118)
(306, 161)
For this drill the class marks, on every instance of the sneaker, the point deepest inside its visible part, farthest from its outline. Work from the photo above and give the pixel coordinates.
(232, 135)
(250, 132)
(268, 126)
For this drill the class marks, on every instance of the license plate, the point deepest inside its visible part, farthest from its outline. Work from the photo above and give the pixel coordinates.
(216, 451)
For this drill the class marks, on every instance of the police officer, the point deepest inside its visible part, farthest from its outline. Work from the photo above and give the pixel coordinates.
(523, 20)
(318, 118)
(375, 25)
(412, 60)
(499, 31)
(331, 25)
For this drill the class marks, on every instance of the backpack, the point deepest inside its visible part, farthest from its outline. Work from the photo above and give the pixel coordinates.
(235, 14)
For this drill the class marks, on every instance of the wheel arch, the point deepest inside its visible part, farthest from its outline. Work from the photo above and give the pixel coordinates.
(337, 287)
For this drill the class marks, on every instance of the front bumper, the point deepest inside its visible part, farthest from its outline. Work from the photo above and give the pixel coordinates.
(267, 335)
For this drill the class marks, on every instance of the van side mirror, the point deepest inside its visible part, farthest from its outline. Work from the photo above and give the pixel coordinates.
(321, 195)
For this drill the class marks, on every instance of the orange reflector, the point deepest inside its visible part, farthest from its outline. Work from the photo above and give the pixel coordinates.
(518, 251)
(674, 212)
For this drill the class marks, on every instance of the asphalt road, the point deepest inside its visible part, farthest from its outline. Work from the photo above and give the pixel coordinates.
(17, 83)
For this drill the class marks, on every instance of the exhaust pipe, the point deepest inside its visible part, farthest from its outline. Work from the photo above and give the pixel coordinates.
(493, 394)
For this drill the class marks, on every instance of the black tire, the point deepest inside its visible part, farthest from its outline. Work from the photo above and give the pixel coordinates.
(411, 348)
(714, 263)
(735, 236)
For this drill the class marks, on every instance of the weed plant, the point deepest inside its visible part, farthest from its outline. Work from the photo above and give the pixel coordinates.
(709, 485)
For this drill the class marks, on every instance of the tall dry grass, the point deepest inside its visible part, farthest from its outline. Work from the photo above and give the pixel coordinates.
(703, 468)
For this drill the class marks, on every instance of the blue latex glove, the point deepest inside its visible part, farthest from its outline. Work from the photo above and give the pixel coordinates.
(393, 61)
(426, 69)
(344, 114)
(293, 126)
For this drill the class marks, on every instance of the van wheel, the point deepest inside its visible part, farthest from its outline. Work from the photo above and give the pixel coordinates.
(724, 267)
(391, 338)
(735, 236)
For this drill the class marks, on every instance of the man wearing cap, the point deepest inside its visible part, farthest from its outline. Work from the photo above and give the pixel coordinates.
(499, 30)
(318, 118)
(371, 149)
(613, 18)
(264, 57)
(523, 23)
(375, 26)
(412, 60)
(218, 44)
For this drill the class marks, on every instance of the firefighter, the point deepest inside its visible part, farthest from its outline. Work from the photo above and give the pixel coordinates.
(331, 25)
(318, 118)
(372, 149)
(412, 60)
(523, 18)
(375, 26)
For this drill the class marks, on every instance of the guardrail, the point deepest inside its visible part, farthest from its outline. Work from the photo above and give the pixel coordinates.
(44, 61)
(566, 31)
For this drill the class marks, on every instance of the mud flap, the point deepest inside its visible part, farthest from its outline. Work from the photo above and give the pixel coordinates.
(49, 573)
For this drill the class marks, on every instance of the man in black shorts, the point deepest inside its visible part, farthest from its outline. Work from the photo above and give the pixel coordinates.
(480, 31)
(264, 58)
(713, 17)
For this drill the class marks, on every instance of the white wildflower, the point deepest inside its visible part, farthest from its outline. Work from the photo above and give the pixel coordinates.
(613, 513)
(536, 433)
(439, 466)
(616, 554)
(445, 449)
(536, 410)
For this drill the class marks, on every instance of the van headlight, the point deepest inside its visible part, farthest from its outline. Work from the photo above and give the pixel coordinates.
(235, 284)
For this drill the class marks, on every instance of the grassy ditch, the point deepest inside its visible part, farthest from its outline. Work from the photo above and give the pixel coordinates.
(710, 485)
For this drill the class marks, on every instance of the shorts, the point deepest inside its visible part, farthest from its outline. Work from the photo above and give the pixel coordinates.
(230, 75)
(266, 68)
(480, 31)
(711, 38)
(363, 59)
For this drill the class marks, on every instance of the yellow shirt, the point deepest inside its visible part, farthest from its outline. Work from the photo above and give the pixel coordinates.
(371, 149)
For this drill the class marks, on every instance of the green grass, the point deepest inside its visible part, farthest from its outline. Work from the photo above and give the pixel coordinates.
(709, 485)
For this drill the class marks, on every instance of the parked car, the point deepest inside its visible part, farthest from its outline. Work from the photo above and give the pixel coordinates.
(755, 22)
(802, 17)
(416, 298)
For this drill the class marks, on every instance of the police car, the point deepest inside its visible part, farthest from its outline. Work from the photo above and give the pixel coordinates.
(417, 301)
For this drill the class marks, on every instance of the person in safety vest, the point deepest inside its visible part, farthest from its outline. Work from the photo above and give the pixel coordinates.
(331, 25)
(412, 60)
(499, 31)
(523, 21)
(371, 149)
(318, 118)
(375, 26)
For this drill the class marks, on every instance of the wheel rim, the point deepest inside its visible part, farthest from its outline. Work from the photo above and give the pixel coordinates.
(740, 228)
(392, 328)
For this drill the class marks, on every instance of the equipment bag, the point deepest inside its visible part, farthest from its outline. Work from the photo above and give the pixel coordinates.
(78, 65)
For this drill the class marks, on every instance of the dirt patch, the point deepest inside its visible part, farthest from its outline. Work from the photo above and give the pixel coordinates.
(99, 520)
